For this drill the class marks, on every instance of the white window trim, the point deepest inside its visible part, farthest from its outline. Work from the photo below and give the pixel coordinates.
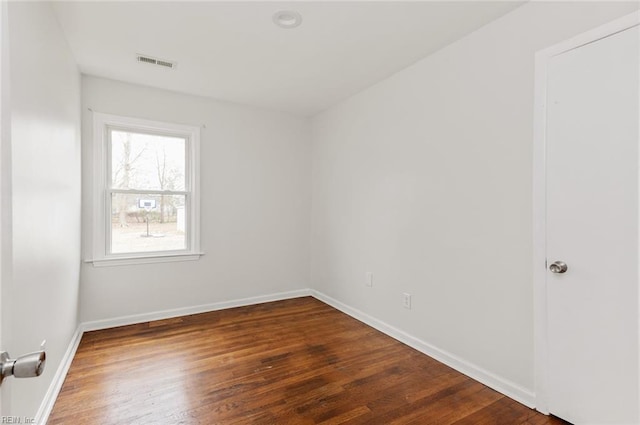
(101, 123)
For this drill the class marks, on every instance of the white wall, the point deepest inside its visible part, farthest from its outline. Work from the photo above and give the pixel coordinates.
(42, 294)
(255, 205)
(424, 179)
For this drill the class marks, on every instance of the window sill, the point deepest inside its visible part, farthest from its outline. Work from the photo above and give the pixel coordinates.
(126, 261)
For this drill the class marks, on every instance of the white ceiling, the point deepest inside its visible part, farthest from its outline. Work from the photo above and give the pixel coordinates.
(233, 51)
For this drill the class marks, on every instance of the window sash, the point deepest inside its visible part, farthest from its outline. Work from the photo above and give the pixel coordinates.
(187, 156)
(150, 192)
(109, 225)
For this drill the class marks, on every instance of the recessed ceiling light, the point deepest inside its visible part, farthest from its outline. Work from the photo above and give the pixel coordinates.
(287, 19)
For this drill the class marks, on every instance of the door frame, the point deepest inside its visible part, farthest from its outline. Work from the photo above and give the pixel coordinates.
(542, 59)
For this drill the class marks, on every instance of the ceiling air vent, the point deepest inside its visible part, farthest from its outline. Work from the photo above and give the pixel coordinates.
(156, 61)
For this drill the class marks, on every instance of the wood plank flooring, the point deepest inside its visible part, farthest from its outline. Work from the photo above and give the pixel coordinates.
(288, 362)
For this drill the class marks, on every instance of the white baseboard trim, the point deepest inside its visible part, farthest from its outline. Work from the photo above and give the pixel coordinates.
(487, 378)
(184, 311)
(58, 379)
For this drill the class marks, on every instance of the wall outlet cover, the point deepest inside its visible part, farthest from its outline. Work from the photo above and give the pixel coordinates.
(369, 279)
(406, 301)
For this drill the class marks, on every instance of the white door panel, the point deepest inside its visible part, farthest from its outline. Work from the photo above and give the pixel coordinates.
(592, 225)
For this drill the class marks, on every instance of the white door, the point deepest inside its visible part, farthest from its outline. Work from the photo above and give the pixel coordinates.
(4, 139)
(592, 164)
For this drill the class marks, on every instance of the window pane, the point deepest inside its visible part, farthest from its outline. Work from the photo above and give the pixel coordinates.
(147, 223)
(147, 162)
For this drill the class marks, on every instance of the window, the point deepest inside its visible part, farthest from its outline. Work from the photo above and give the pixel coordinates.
(146, 205)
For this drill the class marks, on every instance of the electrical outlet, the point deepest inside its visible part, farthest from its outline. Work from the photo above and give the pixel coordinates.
(369, 280)
(406, 301)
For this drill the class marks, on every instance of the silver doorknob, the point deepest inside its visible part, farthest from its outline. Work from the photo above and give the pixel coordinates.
(26, 366)
(558, 267)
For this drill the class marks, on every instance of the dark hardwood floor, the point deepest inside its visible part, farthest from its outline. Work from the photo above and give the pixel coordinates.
(288, 362)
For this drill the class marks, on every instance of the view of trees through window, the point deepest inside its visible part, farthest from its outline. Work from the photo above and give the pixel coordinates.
(148, 192)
